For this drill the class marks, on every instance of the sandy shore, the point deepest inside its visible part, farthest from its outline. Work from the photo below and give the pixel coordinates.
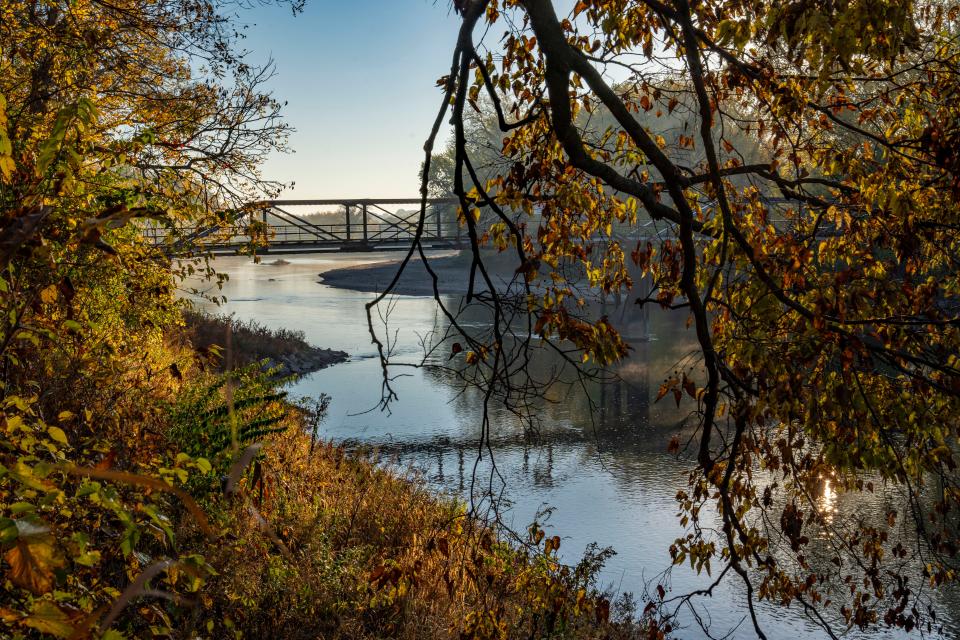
(453, 273)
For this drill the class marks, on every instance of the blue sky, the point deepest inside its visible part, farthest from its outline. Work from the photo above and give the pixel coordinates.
(358, 76)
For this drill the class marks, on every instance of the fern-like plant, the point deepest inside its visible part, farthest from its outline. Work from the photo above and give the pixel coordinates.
(227, 413)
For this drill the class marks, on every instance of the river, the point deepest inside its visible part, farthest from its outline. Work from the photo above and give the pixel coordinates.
(605, 471)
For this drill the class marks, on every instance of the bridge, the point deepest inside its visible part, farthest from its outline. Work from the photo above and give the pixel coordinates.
(360, 224)
(311, 226)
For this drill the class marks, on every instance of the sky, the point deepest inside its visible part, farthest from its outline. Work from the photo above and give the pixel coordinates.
(359, 80)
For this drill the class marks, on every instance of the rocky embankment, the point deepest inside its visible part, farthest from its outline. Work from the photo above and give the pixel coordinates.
(249, 342)
(306, 361)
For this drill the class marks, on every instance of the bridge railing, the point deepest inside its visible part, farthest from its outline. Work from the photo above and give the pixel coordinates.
(352, 224)
(355, 223)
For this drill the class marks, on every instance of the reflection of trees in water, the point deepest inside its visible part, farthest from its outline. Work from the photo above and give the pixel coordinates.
(616, 422)
(859, 511)
(619, 397)
(610, 416)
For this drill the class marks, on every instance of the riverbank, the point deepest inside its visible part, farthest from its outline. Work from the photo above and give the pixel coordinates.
(452, 271)
(340, 547)
(238, 343)
(314, 540)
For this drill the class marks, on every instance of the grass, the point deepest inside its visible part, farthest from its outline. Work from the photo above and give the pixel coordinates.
(241, 341)
(355, 550)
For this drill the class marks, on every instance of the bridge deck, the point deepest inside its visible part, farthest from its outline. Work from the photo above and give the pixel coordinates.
(308, 226)
(358, 224)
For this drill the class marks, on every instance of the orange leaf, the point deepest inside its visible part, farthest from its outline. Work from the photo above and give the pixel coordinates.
(664, 389)
(32, 561)
(674, 445)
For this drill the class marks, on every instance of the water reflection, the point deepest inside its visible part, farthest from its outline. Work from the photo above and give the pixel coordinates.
(598, 452)
(827, 501)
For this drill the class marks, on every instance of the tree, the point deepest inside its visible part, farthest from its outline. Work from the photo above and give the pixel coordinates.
(112, 115)
(812, 237)
(114, 112)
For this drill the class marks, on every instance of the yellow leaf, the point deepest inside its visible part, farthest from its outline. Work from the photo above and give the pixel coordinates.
(25, 475)
(57, 434)
(7, 167)
(47, 617)
(49, 295)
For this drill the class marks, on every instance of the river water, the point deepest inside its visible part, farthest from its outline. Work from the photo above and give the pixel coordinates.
(599, 458)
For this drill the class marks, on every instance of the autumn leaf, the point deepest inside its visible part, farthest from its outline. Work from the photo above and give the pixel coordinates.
(668, 386)
(7, 165)
(58, 434)
(33, 558)
(49, 294)
(689, 387)
(47, 617)
(674, 445)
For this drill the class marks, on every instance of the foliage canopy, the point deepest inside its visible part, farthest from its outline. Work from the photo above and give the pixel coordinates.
(110, 113)
(142, 495)
(804, 212)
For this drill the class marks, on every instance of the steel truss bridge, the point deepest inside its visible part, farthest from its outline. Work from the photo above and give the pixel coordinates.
(362, 224)
(310, 226)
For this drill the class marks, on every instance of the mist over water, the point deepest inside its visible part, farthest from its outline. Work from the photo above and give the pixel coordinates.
(598, 457)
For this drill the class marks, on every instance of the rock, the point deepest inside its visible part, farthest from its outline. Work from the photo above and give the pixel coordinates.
(302, 363)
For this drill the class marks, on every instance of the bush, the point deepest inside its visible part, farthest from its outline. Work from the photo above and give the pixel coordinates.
(239, 342)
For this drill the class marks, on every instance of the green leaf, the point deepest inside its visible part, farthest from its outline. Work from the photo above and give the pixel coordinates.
(88, 558)
(8, 530)
(72, 325)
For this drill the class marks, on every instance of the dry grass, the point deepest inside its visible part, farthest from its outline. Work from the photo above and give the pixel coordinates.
(245, 341)
(373, 555)
(323, 543)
